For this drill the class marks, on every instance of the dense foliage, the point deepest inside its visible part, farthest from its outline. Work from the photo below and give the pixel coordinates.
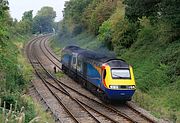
(14, 71)
(25, 25)
(11, 75)
(88, 14)
(43, 22)
(144, 32)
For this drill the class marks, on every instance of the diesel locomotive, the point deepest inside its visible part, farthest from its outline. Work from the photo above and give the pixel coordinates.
(109, 77)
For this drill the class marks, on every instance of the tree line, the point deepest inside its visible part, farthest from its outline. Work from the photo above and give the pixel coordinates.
(118, 23)
(10, 29)
(43, 22)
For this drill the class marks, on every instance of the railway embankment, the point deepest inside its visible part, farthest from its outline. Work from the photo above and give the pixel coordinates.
(16, 105)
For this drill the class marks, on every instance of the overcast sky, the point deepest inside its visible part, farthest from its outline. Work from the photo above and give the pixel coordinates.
(18, 7)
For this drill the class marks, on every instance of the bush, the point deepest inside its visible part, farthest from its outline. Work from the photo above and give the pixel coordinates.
(147, 32)
(105, 34)
(96, 13)
(124, 35)
(19, 101)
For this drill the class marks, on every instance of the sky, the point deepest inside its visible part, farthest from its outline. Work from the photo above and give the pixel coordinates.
(18, 7)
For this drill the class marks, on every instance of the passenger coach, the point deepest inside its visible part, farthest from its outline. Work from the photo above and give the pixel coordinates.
(111, 78)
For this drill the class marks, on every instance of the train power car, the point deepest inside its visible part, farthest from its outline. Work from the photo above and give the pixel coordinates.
(111, 78)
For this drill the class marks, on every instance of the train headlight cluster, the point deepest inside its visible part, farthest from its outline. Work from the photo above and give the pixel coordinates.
(114, 87)
(132, 87)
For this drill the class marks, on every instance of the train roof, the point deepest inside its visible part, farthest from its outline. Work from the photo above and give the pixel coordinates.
(96, 57)
(73, 48)
(118, 63)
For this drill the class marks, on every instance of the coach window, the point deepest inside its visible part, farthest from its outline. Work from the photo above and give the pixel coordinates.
(74, 60)
(104, 73)
(79, 65)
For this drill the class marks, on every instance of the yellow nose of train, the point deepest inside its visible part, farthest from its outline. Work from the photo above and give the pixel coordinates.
(118, 80)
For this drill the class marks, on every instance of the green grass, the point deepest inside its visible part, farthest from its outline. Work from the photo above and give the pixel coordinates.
(40, 115)
(158, 85)
(59, 75)
(56, 46)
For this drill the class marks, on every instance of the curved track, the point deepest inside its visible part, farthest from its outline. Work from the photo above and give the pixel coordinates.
(78, 105)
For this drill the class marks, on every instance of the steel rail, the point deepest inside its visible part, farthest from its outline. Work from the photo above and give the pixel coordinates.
(54, 94)
(74, 99)
(47, 55)
(45, 82)
(28, 47)
(30, 60)
(58, 99)
(50, 51)
(108, 107)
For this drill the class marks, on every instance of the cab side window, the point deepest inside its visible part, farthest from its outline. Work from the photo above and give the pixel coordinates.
(79, 66)
(104, 73)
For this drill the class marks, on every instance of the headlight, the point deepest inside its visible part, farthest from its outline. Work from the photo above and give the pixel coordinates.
(132, 87)
(116, 87)
(113, 87)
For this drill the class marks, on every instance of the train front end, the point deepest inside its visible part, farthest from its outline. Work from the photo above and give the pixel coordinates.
(118, 80)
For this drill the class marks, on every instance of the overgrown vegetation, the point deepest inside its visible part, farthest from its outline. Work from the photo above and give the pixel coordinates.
(15, 73)
(143, 32)
(13, 115)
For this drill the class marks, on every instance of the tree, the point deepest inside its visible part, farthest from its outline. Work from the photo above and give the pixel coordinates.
(25, 25)
(47, 11)
(43, 21)
(73, 14)
(28, 15)
(170, 13)
(74, 9)
(138, 8)
(3, 7)
(97, 13)
(105, 34)
(3, 17)
(108, 30)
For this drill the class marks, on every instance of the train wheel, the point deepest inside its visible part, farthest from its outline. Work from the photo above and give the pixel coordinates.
(63, 68)
(84, 85)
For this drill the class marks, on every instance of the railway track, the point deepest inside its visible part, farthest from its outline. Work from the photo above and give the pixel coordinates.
(77, 105)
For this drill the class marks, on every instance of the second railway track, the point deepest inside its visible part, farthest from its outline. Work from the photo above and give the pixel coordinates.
(75, 103)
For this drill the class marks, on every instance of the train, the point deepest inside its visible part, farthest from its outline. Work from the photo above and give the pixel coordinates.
(108, 77)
